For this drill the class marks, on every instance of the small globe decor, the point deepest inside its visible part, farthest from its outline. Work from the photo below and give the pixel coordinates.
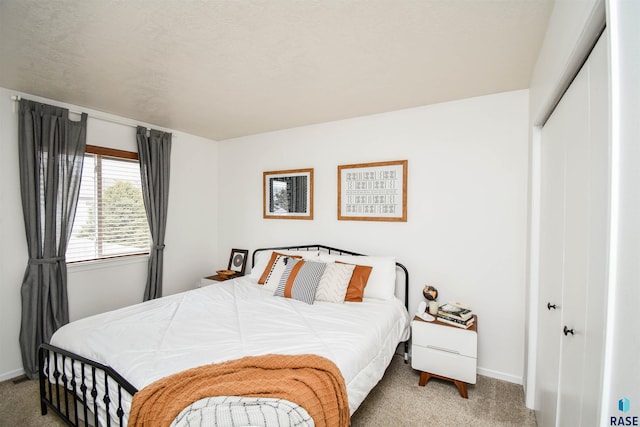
(430, 293)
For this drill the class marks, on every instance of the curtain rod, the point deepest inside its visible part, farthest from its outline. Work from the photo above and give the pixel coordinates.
(17, 98)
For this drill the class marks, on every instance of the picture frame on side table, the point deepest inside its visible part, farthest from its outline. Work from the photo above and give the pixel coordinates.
(288, 194)
(238, 260)
(373, 191)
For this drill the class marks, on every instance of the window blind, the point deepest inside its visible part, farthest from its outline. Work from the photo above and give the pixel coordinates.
(110, 219)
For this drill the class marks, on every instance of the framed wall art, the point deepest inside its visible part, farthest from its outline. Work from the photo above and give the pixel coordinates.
(238, 261)
(288, 194)
(373, 191)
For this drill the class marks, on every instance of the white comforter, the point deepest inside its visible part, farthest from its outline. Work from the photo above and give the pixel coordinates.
(236, 318)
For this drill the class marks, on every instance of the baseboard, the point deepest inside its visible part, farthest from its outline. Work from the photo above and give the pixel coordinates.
(11, 375)
(500, 375)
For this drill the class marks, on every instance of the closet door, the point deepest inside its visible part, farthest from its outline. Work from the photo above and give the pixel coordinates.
(555, 133)
(586, 248)
(576, 238)
(573, 249)
(598, 226)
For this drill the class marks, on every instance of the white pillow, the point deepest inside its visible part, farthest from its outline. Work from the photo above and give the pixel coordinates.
(263, 257)
(382, 281)
(334, 282)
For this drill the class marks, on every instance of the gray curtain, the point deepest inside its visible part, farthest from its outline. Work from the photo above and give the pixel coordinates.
(51, 150)
(154, 151)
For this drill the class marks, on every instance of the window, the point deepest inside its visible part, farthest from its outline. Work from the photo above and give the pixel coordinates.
(110, 219)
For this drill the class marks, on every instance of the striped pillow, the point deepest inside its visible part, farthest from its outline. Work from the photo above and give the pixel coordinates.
(334, 282)
(300, 280)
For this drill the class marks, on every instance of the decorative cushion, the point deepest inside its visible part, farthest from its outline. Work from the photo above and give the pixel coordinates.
(271, 264)
(358, 282)
(382, 282)
(274, 273)
(300, 280)
(263, 258)
(334, 282)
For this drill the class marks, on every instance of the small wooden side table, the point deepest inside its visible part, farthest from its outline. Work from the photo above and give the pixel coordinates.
(209, 280)
(219, 278)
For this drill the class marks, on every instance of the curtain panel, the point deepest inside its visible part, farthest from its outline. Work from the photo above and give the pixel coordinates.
(51, 156)
(154, 153)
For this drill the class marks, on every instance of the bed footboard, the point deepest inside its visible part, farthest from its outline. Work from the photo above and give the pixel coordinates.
(80, 391)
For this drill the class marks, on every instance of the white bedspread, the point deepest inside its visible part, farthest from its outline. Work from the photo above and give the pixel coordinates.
(237, 318)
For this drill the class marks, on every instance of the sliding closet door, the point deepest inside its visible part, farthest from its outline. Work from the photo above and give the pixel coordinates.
(598, 226)
(555, 133)
(573, 249)
(576, 238)
(586, 249)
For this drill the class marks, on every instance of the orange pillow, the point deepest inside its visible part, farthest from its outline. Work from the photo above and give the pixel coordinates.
(269, 266)
(357, 283)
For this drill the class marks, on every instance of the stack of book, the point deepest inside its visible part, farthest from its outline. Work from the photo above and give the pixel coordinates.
(456, 314)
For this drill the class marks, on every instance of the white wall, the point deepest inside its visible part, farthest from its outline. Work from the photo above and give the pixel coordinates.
(190, 239)
(467, 193)
(13, 246)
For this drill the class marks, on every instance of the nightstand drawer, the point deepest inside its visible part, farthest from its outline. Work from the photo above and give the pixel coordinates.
(452, 339)
(445, 363)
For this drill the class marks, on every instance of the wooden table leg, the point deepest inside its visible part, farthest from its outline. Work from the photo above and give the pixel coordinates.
(461, 385)
(424, 377)
(462, 388)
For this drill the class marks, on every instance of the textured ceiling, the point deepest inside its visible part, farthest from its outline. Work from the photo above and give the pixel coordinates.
(222, 69)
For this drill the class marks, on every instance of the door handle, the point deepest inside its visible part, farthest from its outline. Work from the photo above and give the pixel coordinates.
(567, 331)
(550, 306)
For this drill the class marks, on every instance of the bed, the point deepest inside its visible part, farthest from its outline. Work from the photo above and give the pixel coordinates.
(93, 367)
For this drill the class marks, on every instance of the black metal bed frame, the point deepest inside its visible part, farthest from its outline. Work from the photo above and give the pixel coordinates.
(72, 401)
(76, 403)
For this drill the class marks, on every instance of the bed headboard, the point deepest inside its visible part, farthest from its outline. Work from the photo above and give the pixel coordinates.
(331, 250)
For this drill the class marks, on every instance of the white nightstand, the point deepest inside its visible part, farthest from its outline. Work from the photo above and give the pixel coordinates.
(444, 351)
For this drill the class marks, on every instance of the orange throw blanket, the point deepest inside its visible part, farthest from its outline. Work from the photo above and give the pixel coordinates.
(311, 381)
